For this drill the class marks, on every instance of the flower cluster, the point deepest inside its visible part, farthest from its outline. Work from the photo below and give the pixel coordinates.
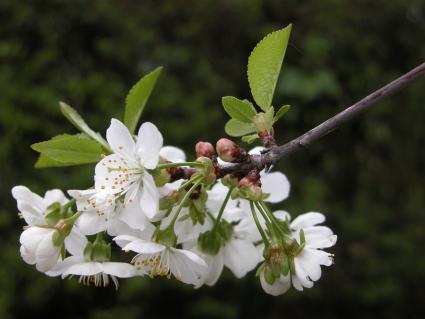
(173, 218)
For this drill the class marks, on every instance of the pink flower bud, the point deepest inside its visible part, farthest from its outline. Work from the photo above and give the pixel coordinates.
(204, 149)
(229, 151)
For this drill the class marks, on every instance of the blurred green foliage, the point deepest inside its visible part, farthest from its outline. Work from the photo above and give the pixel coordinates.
(368, 178)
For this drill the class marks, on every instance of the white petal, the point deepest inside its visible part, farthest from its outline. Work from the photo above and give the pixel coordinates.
(301, 273)
(90, 223)
(84, 269)
(279, 287)
(122, 270)
(240, 256)
(321, 257)
(149, 143)
(309, 263)
(55, 195)
(296, 283)
(149, 201)
(257, 150)
(132, 215)
(32, 236)
(75, 242)
(319, 237)
(27, 255)
(307, 220)
(120, 139)
(215, 268)
(282, 215)
(172, 154)
(63, 265)
(138, 245)
(277, 185)
(187, 266)
(31, 205)
(46, 255)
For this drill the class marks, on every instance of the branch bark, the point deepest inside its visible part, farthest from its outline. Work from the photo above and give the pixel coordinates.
(278, 152)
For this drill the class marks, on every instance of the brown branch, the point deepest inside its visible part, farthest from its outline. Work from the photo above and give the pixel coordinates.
(278, 152)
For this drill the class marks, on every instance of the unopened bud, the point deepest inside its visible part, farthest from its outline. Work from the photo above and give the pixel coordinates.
(207, 170)
(230, 181)
(169, 200)
(229, 151)
(204, 149)
(161, 177)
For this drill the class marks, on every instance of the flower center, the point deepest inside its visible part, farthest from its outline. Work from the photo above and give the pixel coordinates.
(99, 280)
(154, 265)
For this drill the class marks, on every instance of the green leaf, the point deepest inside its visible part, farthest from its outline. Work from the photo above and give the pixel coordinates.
(264, 66)
(137, 98)
(45, 162)
(249, 139)
(69, 150)
(72, 115)
(240, 110)
(281, 112)
(237, 128)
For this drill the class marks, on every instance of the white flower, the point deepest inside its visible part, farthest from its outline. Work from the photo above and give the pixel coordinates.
(102, 213)
(238, 253)
(308, 261)
(38, 248)
(158, 260)
(124, 173)
(92, 272)
(37, 242)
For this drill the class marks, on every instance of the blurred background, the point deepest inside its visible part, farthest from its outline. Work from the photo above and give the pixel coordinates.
(368, 177)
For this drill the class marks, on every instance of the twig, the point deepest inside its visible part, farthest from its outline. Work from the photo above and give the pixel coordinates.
(278, 152)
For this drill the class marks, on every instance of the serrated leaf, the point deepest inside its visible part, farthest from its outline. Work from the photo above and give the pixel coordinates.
(249, 139)
(281, 112)
(264, 66)
(241, 110)
(72, 115)
(68, 149)
(237, 128)
(137, 98)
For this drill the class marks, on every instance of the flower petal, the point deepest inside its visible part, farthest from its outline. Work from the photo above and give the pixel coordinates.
(122, 270)
(133, 216)
(279, 287)
(149, 143)
(31, 205)
(240, 256)
(120, 139)
(172, 154)
(277, 185)
(307, 220)
(55, 195)
(84, 269)
(149, 202)
(75, 242)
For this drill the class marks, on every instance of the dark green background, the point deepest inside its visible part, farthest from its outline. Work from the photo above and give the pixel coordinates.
(368, 177)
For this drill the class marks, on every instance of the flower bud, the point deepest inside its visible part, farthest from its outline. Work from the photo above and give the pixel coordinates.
(207, 170)
(204, 149)
(229, 151)
(169, 200)
(161, 177)
(230, 181)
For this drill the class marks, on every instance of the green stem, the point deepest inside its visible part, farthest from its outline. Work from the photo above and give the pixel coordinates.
(257, 222)
(274, 223)
(194, 180)
(171, 165)
(223, 206)
(186, 196)
(69, 203)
